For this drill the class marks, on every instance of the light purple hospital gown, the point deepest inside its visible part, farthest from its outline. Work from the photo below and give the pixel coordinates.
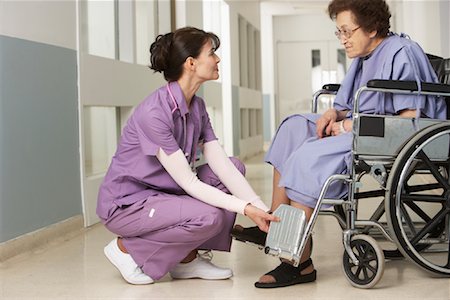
(139, 201)
(305, 162)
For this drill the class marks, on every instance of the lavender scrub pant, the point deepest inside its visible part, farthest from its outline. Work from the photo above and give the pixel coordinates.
(160, 230)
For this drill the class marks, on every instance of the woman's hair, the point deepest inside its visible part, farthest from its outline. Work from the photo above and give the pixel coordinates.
(370, 14)
(169, 51)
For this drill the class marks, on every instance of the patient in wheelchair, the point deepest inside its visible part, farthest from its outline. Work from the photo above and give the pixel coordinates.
(309, 148)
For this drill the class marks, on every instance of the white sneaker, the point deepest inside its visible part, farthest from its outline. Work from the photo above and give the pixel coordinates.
(126, 265)
(202, 268)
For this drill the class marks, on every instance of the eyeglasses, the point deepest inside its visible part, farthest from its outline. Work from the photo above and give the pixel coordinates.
(347, 33)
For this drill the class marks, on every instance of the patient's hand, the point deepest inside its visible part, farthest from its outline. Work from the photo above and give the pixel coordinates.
(324, 125)
(341, 127)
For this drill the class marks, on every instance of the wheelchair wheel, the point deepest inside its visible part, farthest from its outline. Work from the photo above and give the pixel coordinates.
(418, 199)
(371, 262)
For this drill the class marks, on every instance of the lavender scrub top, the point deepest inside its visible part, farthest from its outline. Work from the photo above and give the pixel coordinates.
(135, 173)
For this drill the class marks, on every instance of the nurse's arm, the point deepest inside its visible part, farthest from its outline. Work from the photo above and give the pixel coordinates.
(178, 168)
(229, 175)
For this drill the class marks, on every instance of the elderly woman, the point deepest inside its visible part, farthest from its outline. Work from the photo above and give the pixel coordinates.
(307, 149)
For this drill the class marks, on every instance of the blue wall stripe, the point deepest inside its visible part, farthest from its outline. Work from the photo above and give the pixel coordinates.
(39, 158)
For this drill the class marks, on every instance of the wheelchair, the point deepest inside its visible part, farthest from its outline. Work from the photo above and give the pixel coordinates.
(409, 161)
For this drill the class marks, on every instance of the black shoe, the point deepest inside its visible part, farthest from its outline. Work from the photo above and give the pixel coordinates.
(286, 275)
(250, 234)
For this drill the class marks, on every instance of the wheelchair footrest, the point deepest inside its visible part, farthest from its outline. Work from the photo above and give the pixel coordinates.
(284, 238)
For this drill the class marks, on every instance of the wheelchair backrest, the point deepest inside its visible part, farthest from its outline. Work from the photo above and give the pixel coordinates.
(442, 68)
(446, 79)
(437, 63)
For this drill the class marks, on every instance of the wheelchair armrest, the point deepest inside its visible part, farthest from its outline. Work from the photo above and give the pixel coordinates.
(408, 86)
(327, 89)
(332, 87)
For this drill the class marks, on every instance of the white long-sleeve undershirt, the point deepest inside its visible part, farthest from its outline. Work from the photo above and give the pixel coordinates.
(178, 168)
(229, 175)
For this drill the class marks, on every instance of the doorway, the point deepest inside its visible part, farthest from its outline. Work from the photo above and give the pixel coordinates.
(303, 67)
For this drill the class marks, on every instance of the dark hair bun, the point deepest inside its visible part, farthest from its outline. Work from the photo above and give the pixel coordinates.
(159, 52)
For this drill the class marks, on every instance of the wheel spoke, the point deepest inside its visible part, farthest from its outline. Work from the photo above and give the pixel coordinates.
(366, 275)
(372, 268)
(360, 249)
(434, 170)
(415, 208)
(365, 254)
(422, 187)
(358, 272)
(370, 254)
(407, 218)
(423, 198)
(430, 226)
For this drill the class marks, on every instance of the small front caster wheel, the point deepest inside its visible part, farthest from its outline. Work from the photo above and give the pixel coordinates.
(370, 268)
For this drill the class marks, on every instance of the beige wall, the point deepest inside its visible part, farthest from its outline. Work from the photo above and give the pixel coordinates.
(49, 22)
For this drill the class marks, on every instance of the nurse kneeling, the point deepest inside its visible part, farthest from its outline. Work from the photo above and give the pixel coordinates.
(161, 210)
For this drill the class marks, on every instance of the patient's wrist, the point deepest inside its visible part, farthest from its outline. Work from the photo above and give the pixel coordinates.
(342, 127)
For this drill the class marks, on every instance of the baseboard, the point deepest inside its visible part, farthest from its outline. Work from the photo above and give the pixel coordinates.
(41, 238)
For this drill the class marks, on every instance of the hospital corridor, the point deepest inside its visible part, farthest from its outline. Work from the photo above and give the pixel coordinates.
(75, 268)
(109, 108)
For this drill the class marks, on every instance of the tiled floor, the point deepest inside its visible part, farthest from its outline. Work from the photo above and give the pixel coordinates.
(77, 269)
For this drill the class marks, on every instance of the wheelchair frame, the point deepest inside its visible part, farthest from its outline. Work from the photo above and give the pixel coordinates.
(363, 260)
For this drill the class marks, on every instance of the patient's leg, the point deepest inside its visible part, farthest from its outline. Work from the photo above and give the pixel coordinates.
(306, 253)
(253, 234)
(279, 192)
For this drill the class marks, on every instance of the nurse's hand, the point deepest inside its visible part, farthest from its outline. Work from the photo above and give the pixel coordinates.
(260, 217)
(324, 125)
